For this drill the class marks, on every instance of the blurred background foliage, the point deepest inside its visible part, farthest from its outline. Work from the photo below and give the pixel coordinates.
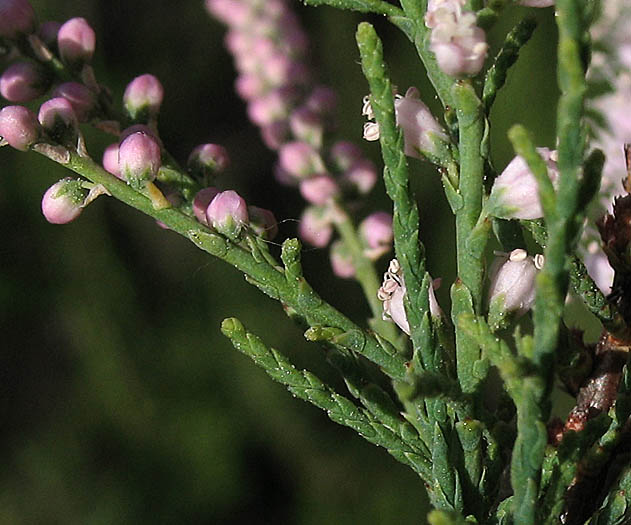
(121, 401)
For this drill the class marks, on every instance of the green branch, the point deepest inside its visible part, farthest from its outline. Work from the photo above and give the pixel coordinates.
(295, 293)
(407, 246)
(364, 6)
(308, 387)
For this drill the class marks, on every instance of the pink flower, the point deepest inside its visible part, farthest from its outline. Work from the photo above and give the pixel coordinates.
(512, 287)
(515, 193)
(421, 131)
(459, 45)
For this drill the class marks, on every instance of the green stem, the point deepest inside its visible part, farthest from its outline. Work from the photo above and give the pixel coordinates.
(467, 291)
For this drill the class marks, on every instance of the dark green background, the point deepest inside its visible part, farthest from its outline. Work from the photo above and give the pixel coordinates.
(120, 400)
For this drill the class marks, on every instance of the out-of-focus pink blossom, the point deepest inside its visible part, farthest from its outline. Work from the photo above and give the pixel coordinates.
(23, 82)
(319, 189)
(315, 226)
(341, 260)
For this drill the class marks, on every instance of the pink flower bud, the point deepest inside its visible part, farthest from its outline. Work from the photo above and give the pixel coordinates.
(344, 154)
(19, 127)
(238, 42)
(318, 190)
(58, 119)
(274, 135)
(138, 159)
(207, 160)
(376, 233)
(81, 98)
(277, 68)
(362, 176)
(48, 31)
(422, 134)
(250, 86)
(230, 12)
(228, 213)
(143, 97)
(110, 160)
(76, 41)
(142, 128)
(315, 226)
(268, 108)
(23, 82)
(16, 17)
(537, 3)
(515, 193)
(300, 159)
(341, 260)
(512, 287)
(392, 293)
(63, 201)
(201, 201)
(322, 100)
(263, 222)
(306, 125)
(459, 45)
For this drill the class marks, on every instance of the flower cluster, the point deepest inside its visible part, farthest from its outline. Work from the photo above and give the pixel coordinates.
(392, 294)
(459, 45)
